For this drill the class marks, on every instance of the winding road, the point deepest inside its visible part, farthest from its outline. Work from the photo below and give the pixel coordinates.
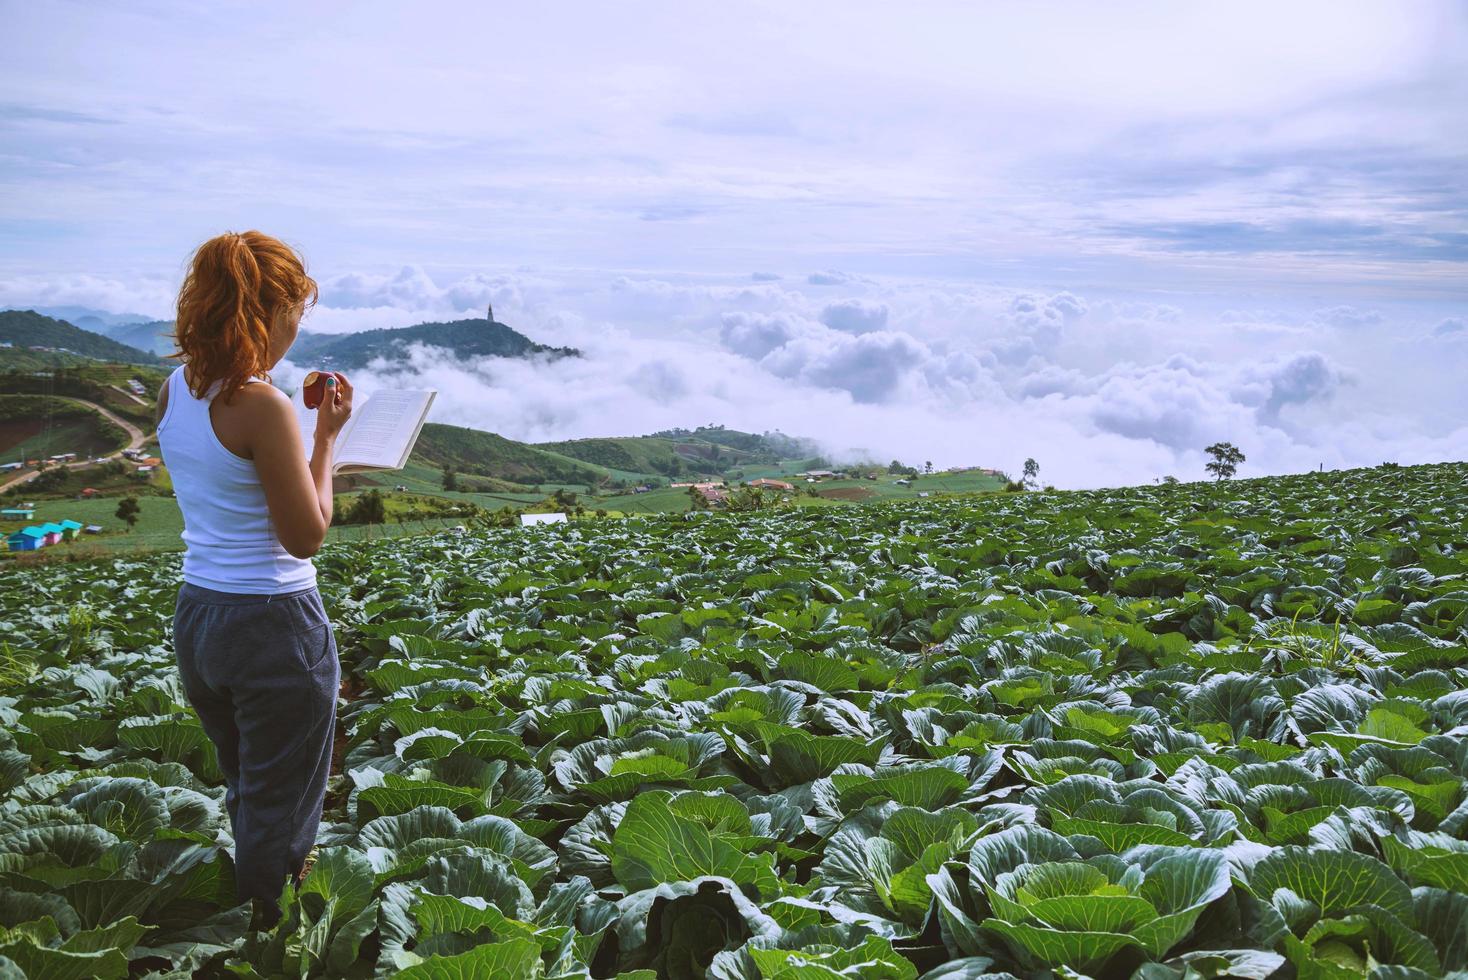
(135, 437)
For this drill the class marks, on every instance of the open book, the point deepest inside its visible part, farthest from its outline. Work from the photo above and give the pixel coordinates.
(380, 434)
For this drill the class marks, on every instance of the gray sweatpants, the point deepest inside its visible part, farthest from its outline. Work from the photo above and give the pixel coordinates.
(262, 673)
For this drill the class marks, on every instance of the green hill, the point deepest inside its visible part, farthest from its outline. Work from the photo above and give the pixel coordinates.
(478, 453)
(686, 452)
(27, 328)
(464, 338)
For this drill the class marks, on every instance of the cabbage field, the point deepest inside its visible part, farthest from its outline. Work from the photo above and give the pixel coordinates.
(1166, 732)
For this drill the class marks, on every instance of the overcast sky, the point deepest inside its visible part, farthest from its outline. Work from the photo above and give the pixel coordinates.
(1100, 234)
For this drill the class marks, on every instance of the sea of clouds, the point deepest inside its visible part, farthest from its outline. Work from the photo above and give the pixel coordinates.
(1102, 390)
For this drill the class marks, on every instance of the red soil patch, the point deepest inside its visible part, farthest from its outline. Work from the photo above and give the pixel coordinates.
(847, 493)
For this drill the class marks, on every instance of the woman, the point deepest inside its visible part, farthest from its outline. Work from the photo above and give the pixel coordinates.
(254, 647)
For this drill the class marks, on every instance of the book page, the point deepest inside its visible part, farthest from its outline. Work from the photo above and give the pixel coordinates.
(383, 431)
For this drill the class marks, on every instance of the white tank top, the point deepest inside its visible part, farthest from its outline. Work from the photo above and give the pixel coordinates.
(229, 542)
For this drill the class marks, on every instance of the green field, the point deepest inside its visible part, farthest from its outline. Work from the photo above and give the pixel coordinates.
(1160, 733)
(160, 523)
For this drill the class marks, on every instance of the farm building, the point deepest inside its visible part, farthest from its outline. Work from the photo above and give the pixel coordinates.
(767, 484)
(70, 529)
(54, 532)
(92, 529)
(820, 474)
(27, 539)
(18, 513)
(712, 493)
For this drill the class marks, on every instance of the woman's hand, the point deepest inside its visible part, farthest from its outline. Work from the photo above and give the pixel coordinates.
(335, 408)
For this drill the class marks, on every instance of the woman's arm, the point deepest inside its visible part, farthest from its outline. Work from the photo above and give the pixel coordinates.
(297, 493)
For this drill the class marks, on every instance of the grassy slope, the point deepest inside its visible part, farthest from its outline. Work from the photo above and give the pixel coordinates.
(78, 377)
(632, 455)
(706, 452)
(73, 428)
(88, 436)
(486, 454)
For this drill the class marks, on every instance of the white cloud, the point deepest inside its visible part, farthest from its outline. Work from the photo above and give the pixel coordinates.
(754, 335)
(1348, 317)
(855, 316)
(832, 277)
(149, 297)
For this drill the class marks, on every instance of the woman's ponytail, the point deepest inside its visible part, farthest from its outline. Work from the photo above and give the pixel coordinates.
(237, 285)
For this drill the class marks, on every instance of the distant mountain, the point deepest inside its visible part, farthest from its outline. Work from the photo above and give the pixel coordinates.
(462, 338)
(27, 328)
(152, 335)
(93, 319)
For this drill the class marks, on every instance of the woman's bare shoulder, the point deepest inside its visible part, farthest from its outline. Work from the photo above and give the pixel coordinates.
(263, 403)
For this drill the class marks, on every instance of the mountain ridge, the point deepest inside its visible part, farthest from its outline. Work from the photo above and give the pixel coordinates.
(27, 328)
(474, 337)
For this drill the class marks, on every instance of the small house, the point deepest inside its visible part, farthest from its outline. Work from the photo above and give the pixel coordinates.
(11, 466)
(70, 529)
(92, 529)
(89, 492)
(767, 484)
(146, 468)
(53, 533)
(151, 461)
(26, 539)
(18, 513)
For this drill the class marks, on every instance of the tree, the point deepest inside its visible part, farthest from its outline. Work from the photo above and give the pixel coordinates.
(895, 466)
(1226, 460)
(928, 467)
(128, 510)
(1032, 472)
(367, 509)
(450, 478)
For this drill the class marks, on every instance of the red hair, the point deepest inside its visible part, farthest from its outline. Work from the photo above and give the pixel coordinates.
(238, 285)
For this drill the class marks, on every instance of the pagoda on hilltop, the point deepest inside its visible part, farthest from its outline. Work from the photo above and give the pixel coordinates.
(489, 311)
